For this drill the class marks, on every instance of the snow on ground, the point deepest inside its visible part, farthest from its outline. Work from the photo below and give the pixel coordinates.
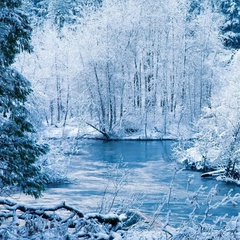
(60, 222)
(72, 130)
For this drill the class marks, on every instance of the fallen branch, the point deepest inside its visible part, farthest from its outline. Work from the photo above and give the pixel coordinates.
(28, 221)
(40, 211)
(99, 130)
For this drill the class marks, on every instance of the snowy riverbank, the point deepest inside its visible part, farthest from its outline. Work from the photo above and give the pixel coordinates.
(72, 130)
(60, 222)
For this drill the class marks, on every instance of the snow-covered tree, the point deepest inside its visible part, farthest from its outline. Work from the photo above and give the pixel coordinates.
(59, 12)
(130, 66)
(159, 61)
(231, 27)
(18, 149)
(216, 142)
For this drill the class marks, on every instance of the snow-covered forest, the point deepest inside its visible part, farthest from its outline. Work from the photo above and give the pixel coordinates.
(138, 69)
(125, 66)
(110, 69)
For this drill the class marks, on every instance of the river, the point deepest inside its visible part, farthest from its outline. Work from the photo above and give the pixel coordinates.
(142, 175)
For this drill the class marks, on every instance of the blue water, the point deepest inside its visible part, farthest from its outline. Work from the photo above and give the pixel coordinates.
(142, 175)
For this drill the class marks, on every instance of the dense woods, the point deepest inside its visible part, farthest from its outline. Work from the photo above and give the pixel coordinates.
(135, 68)
(131, 68)
(127, 69)
(126, 66)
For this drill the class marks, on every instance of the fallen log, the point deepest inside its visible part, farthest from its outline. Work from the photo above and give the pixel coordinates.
(213, 173)
(99, 130)
(61, 220)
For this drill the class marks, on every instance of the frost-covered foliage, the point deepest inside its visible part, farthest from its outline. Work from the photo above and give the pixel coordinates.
(15, 31)
(130, 67)
(206, 226)
(60, 12)
(58, 222)
(221, 227)
(56, 163)
(19, 221)
(216, 141)
(231, 27)
(19, 151)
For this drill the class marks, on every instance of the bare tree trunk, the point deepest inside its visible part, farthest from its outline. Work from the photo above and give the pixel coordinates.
(67, 107)
(59, 100)
(51, 112)
(172, 77)
(103, 112)
(110, 99)
(46, 117)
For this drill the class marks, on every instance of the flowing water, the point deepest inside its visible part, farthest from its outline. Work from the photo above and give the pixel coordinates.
(142, 175)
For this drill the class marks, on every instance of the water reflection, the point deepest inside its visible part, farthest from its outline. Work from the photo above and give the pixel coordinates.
(148, 175)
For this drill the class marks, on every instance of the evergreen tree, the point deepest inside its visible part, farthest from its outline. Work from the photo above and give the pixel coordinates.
(19, 152)
(231, 28)
(61, 12)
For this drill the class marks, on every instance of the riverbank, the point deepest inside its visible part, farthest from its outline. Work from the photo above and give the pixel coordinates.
(85, 131)
(150, 183)
(73, 133)
(62, 221)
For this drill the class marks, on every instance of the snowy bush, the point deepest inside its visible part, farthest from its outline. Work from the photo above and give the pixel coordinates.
(60, 222)
(19, 221)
